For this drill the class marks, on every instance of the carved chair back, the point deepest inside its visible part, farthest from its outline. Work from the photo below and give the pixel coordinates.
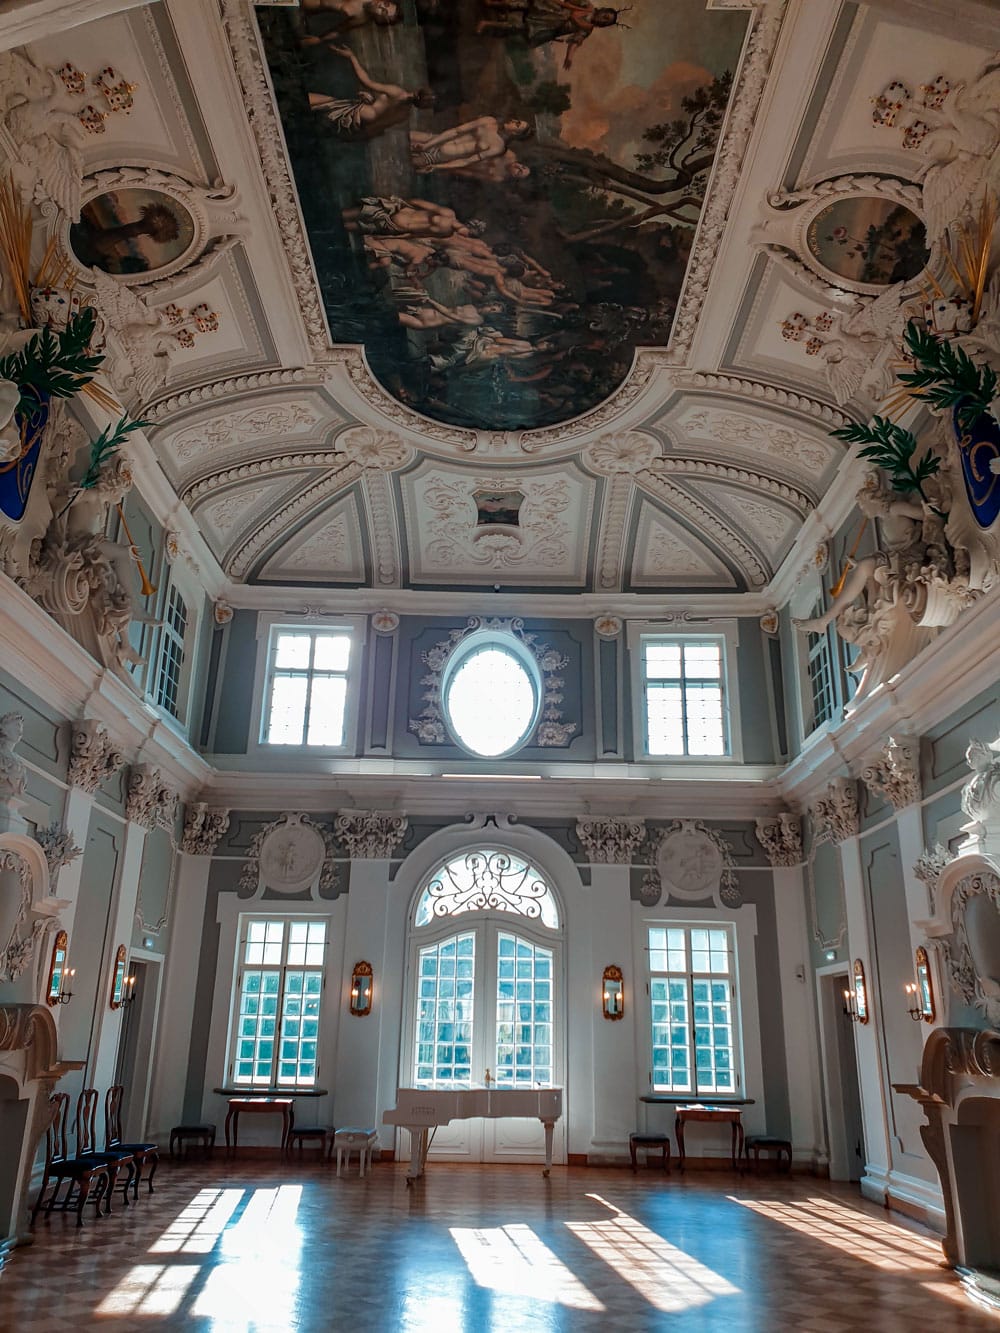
(113, 1116)
(57, 1133)
(86, 1116)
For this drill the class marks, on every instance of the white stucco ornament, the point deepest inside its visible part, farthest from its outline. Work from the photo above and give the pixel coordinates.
(690, 863)
(292, 856)
(10, 434)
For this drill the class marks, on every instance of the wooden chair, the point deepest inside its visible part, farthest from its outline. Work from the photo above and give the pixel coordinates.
(82, 1173)
(86, 1146)
(142, 1153)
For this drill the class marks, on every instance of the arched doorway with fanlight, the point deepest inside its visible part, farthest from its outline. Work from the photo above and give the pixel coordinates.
(484, 994)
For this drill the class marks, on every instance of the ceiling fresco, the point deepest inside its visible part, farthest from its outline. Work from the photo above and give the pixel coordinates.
(501, 195)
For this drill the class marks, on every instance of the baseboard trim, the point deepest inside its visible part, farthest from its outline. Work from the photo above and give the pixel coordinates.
(916, 1199)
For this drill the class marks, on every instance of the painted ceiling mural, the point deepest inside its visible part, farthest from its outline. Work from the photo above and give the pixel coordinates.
(501, 195)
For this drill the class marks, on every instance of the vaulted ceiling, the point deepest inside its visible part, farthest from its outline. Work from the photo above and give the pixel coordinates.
(698, 473)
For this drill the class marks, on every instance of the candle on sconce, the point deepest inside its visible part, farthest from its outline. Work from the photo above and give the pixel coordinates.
(913, 1005)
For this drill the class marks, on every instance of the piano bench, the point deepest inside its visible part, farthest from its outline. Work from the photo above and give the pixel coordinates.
(352, 1139)
(646, 1142)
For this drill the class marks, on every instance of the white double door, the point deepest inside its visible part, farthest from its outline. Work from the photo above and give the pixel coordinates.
(486, 995)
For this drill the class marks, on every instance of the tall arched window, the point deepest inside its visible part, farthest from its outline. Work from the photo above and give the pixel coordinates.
(485, 962)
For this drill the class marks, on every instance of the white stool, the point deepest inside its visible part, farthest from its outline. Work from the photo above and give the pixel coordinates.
(352, 1139)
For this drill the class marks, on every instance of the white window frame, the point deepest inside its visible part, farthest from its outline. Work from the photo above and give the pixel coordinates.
(744, 921)
(268, 624)
(168, 639)
(801, 607)
(727, 633)
(286, 916)
(690, 975)
(175, 576)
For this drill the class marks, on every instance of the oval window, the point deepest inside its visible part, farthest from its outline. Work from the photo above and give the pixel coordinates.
(491, 692)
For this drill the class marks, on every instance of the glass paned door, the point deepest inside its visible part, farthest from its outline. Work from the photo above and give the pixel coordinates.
(484, 999)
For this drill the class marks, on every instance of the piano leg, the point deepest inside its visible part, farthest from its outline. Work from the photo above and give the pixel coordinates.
(549, 1126)
(418, 1152)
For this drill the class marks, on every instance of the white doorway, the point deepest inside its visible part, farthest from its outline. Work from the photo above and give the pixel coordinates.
(134, 1065)
(841, 1088)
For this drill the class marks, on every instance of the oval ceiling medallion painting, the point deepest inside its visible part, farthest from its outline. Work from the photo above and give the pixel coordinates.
(868, 240)
(501, 197)
(132, 231)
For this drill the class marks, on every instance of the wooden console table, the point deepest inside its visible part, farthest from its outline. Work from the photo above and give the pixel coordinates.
(283, 1106)
(729, 1111)
(731, 1114)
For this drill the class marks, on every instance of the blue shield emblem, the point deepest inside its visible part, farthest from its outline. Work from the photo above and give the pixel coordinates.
(16, 476)
(979, 447)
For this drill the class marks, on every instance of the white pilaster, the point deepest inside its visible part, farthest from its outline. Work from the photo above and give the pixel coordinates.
(798, 1015)
(614, 1041)
(177, 1009)
(874, 1182)
(100, 1071)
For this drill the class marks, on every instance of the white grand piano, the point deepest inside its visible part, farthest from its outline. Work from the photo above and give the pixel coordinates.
(421, 1109)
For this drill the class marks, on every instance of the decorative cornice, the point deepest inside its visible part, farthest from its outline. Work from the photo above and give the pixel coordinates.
(781, 837)
(327, 486)
(260, 467)
(758, 481)
(227, 389)
(895, 772)
(204, 825)
(94, 756)
(150, 803)
(370, 835)
(764, 393)
(748, 560)
(835, 815)
(744, 105)
(611, 839)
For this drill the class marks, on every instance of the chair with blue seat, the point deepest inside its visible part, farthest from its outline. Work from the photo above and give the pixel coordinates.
(83, 1174)
(143, 1154)
(117, 1159)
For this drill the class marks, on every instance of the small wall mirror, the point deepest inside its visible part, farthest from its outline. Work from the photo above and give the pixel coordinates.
(57, 968)
(118, 978)
(613, 993)
(925, 986)
(860, 992)
(362, 983)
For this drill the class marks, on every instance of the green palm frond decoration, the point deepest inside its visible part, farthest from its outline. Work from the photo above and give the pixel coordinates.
(947, 377)
(59, 364)
(892, 448)
(102, 450)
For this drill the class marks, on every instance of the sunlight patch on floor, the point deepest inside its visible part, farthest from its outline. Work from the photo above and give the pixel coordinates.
(513, 1260)
(196, 1230)
(150, 1289)
(665, 1276)
(863, 1237)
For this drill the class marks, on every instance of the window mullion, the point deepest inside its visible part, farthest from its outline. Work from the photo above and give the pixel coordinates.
(692, 1049)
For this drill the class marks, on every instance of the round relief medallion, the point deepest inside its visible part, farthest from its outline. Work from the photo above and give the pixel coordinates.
(292, 856)
(689, 863)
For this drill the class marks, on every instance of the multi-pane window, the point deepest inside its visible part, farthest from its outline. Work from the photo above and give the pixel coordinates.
(819, 668)
(171, 656)
(445, 1006)
(275, 1039)
(693, 1007)
(683, 703)
(306, 697)
(524, 1013)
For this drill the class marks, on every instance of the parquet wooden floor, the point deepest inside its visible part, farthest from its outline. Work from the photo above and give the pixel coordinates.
(254, 1245)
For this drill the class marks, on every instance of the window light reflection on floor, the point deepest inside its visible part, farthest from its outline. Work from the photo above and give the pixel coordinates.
(196, 1230)
(665, 1276)
(880, 1244)
(514, 1261)
(150, 1289)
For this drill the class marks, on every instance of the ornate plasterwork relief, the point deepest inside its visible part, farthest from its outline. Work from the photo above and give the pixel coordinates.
(677, 497)
(60, 849)
(966, 954)
(204, 825)
(835, 815)
(94, 756)
(611, 839)
(378, 450)
(806, 455)
(895, 772)
(621, 453)
(370, 834)
(229, 511)
(291, 854)
(551, 729)
(13, 773)
(691, 862)
(666, 553)
(327, 548)
(928, 868)
(278, 420)
(771, 525)
(25, 932)
(150, 801)
(981, 797)
(548, 543)
(781, 837)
